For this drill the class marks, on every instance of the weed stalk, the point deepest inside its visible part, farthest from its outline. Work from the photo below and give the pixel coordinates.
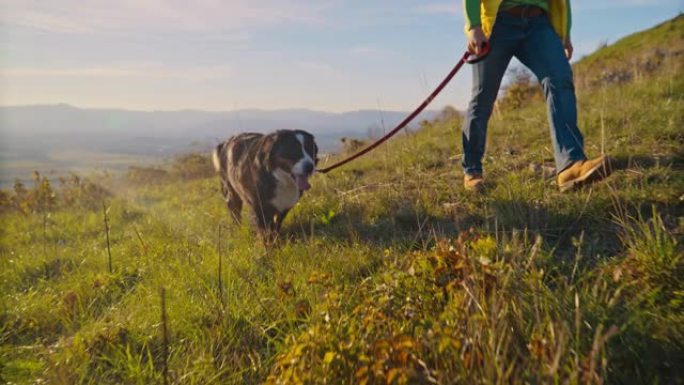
(106, 228)
(220, 267)
(165, 338)
(140, 238)
(45, 220)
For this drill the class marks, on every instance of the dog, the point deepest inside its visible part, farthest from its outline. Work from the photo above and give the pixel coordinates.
(268, 173)
(350, 145)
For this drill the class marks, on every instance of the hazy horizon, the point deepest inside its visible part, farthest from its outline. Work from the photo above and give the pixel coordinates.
(228, 110)
(66, 138)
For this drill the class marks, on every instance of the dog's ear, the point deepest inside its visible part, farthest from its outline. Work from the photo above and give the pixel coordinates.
(315, 149)
(311, 140)
(315, 153)
(267, 152)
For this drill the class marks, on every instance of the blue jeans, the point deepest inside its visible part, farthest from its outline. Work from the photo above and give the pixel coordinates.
(535, 43)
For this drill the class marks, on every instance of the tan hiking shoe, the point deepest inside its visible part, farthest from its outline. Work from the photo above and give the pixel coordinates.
(473, 182)
(583, 172)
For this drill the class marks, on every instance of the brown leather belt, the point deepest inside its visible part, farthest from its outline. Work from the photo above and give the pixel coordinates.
(525, 11)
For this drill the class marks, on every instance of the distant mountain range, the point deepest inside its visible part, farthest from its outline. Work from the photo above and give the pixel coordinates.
(58, 136)
(169, 130)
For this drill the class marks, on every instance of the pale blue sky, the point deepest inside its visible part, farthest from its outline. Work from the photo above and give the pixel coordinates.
(330, 55)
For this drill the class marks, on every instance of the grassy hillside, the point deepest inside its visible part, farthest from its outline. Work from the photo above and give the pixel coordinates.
(390, 272)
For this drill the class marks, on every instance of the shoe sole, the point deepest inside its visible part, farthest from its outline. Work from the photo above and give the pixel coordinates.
(590, 177)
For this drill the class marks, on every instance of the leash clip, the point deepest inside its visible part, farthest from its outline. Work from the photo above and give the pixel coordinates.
(472, 58)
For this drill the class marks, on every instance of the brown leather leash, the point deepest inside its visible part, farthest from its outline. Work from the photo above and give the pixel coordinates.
(467, 58)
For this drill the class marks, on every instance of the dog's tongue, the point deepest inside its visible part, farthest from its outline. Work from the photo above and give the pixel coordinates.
(302, 182)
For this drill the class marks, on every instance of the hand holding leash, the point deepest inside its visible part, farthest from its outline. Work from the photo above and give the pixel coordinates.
(475, 39)
(480, 55)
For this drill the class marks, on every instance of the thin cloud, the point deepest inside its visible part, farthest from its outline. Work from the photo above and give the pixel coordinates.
(364, 50)
(74, 16)
(318, 68)
(44, 22)
(449, 8)
(148, 71)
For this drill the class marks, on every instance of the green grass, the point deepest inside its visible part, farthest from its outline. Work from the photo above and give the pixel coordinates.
(389, 271)
(635, 56)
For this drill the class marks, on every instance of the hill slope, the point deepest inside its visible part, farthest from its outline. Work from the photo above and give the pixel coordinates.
(391, 272)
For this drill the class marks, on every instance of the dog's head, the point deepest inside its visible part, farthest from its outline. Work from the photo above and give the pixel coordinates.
(292, 151)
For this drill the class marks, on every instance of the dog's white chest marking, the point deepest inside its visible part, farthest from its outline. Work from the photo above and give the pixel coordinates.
(286, 191)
